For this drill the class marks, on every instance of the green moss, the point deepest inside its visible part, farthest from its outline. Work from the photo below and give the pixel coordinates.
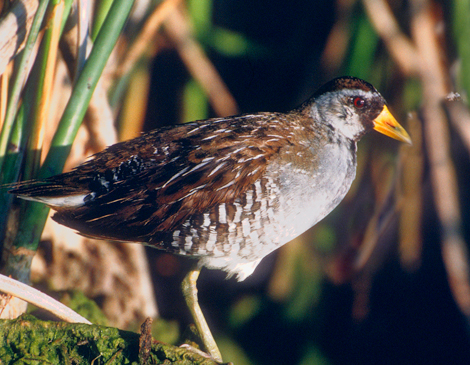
(27, 340)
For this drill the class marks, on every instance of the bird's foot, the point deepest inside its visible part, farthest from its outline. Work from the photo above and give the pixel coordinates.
(204, 354)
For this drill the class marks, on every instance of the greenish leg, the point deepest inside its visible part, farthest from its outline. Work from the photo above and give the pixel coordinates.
(190, 295)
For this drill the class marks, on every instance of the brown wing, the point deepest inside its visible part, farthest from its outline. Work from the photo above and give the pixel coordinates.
(139, 189)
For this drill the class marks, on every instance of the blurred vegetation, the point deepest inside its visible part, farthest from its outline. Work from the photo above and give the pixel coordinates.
(384, 278)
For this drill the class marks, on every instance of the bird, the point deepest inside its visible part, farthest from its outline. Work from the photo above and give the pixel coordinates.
(224, 191)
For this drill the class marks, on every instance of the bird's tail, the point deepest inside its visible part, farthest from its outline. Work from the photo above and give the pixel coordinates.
(52, 192)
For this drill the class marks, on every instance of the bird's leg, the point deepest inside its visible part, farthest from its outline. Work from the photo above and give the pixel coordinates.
(190, 295)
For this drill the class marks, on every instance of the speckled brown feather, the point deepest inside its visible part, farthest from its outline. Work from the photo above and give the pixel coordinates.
(147, 197)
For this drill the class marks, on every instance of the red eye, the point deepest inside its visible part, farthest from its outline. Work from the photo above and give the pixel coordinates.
(358, 102)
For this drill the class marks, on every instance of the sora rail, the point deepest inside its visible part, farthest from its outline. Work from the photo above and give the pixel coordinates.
(225, 191)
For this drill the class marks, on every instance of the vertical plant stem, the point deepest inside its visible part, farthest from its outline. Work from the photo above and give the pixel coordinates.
(83, 30)
(10, 171)
(436, 132)
(20, 76)
(35, 214)
(47, 61)
(83, 90)
(102, 9)
(4, 82)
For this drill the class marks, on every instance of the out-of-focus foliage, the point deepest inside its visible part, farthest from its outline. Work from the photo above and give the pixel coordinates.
(460, 23)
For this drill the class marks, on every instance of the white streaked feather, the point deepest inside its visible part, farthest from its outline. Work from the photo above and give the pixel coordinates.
(58, 201)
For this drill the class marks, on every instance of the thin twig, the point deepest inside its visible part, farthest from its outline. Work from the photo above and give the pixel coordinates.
(459, 115)
(410, 190)
(198, 64)
(399, 46)
(384, 216)
(146, 35)
(338, 38)
(436, 133)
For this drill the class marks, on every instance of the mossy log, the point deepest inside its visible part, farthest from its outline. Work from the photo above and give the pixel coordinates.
(28, 340)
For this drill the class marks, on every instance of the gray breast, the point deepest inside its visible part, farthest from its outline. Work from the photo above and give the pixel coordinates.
(312, 187)
(295, 193)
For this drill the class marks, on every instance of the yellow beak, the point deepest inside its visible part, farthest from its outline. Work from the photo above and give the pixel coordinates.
(386, 124)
